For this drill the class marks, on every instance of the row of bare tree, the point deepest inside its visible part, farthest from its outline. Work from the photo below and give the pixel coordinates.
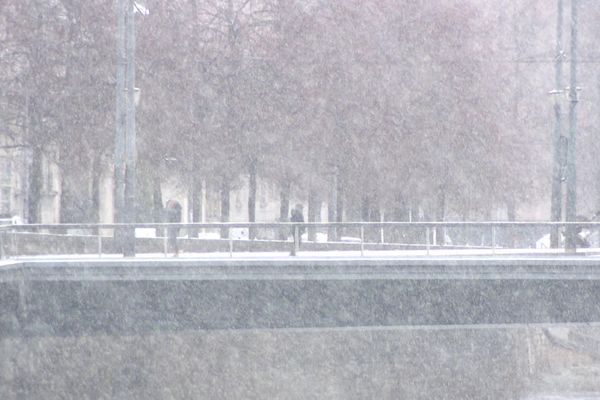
(370, 106)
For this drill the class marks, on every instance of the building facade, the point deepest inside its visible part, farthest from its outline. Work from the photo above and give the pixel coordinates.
(16, 161)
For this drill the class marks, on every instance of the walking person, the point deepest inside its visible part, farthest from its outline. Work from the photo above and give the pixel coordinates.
(297, 232)
(173, 215)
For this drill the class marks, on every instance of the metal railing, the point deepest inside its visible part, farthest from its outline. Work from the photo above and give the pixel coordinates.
(17, 240)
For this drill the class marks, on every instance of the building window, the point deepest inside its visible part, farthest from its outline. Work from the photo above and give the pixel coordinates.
(5, 186)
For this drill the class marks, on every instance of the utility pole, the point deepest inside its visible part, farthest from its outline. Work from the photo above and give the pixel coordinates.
(558, 163)
(119, 152)
(130, 137)
(571, 207)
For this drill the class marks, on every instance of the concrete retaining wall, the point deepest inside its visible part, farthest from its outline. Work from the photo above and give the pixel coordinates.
(271, 364)
(352, 330)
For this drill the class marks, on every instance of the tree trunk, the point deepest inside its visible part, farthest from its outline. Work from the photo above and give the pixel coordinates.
(157, 203)
(512, 216)
(225, 189)
(331, 207)
(375, 216)
(464, 238)
(415, 235)
(365, 205)
(284, 207)
(93, 214)
(368, 213)
(95, 190)
(313, 209)
(399, 213)
(339, 213)
(441, 216)
(35, 187)
(252, 198)
(364, 208)
(195, 201)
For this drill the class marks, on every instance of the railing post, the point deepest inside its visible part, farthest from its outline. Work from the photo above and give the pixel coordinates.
(428, 244)
(362, 240)
(296, 239)
(99, 245)
(230, 245)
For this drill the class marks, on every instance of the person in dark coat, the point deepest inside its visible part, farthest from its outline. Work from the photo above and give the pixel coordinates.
(173, 215)
(297, 216)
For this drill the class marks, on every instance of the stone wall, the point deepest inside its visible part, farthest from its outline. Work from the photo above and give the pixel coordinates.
(268, 364)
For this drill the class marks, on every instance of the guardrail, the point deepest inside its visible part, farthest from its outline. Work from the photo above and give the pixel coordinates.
(424, 235)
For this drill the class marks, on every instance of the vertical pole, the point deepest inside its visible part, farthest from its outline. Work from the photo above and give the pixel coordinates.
(130, 151)
(557, 167)
(571, 207)
(119, 151)
(428, 244)
(99, 245)
(230, 245)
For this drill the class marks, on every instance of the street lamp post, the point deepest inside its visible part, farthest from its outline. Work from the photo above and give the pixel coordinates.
(119, 152)
(571, 206)
(130, 137)
(559, 139)
(127, 97)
